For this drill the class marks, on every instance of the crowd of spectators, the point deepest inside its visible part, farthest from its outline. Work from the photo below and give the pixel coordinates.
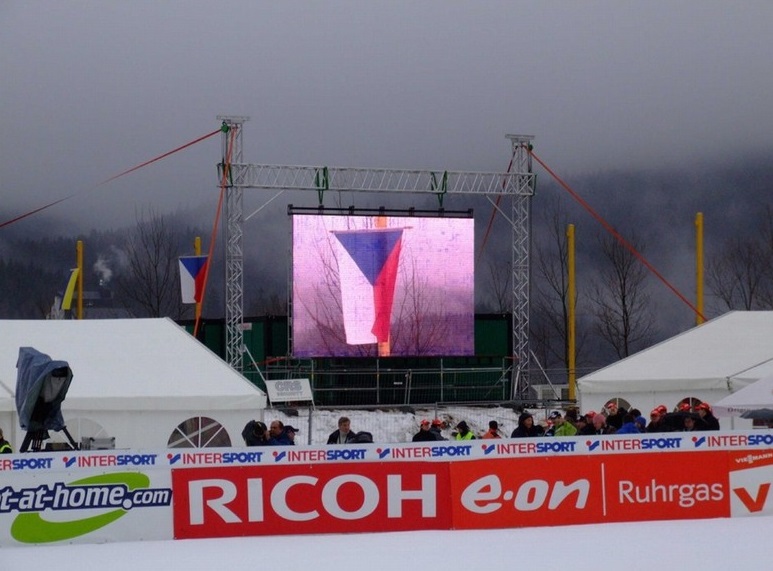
(612, 419)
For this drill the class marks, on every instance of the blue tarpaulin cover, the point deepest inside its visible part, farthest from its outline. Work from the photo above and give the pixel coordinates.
(41, 386)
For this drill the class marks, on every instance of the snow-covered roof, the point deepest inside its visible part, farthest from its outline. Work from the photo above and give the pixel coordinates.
(129, 364)
(725, 353)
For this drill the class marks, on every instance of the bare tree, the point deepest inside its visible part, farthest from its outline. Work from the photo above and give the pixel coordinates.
(741, 275)
(551, 292)
(623, 308)
(150, 280)
(419, 324)
(500, 278)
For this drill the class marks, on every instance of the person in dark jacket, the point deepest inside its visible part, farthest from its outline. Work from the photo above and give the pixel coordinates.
(707, 416)
(5, 446)
(363, 437)
(674, 421)
(254, 433)
(424, 434)
(344, 434)
(437, 429)
(629, 425)
(657, 416)
(600, 426)
(526, 427)
(281, 435)
(615, 417)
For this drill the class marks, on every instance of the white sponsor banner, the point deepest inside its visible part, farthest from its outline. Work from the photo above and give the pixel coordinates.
(39, 506)
(287, 390)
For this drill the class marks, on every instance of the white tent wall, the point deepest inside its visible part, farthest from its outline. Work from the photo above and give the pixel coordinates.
(153, 429)
(135, 379)
(707, 362)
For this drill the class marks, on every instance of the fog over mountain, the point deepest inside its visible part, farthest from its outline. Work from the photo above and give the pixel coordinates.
(658, 207)
(651, 111)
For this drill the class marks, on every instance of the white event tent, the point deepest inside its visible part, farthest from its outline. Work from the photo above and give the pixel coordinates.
(753, 401)
(145, 382)
(707, 362)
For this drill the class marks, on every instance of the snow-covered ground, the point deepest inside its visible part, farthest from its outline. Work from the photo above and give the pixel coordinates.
(718, 544)
(708, 545)
(390, 426)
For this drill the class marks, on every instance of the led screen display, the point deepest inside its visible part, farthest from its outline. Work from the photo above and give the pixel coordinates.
(382, 286)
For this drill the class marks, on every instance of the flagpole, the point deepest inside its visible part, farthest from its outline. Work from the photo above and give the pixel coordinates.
(197, 251)
(79, 263)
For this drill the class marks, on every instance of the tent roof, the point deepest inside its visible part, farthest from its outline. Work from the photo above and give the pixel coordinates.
(129, 364)
(756, 396)
(724, 353)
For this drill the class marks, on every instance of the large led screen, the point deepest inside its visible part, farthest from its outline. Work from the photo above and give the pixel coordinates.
(382, 285)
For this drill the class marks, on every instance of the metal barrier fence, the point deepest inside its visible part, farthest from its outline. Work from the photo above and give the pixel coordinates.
(396, 387)
(399, 424)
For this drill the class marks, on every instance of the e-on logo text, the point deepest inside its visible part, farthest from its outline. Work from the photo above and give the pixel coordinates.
(487, 495)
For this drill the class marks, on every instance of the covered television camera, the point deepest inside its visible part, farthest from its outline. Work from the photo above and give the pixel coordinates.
(41, 387)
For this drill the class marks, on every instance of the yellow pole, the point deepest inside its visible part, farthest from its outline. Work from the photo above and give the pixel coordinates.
(699, 268)
(197, 251)
(571, 318)
(79, 263)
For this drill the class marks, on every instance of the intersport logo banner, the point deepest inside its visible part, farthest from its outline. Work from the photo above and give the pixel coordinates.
(322, 498)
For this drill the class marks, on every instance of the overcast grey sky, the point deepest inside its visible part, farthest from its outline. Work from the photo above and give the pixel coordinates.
(89, 89)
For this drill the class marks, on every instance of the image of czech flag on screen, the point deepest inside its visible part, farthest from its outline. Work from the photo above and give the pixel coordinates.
(368, 261)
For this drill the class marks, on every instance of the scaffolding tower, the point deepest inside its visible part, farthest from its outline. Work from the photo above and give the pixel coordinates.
(518, 184)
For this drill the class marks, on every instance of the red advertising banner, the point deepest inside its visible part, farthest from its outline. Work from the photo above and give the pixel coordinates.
(526, 492)
(556, 490)
(97, 496)
(669, 486)
(322, 498)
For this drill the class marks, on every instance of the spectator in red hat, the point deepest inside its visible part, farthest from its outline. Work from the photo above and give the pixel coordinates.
(424, 434)
(656, 420)
(437, 429)
(675, 421)
(707, 416)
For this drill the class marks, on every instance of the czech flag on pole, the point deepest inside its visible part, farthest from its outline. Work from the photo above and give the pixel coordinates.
(192, 271)
(367, 268)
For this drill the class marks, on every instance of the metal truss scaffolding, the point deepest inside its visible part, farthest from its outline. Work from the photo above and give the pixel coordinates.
(518, 184)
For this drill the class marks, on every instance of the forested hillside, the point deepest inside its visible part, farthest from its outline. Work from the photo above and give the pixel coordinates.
(622, 306)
